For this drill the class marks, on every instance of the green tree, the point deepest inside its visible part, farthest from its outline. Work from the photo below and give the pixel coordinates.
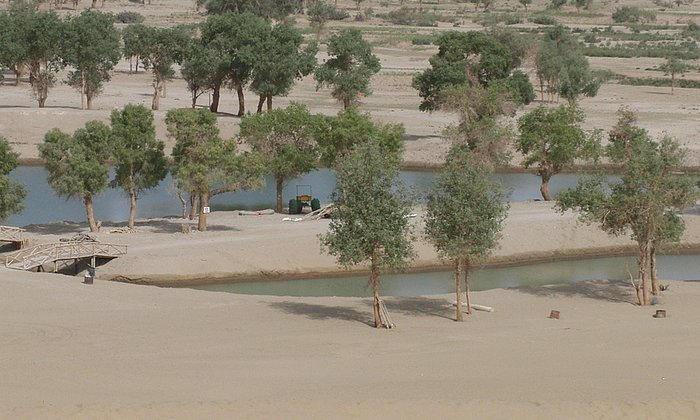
(164, 47)
(268, 9)
(561, 65)
(465, 58)
(205, 164)
(44, 33)
(553, 139)
(525, 3)
(91, 47)
(464, 215)
(136, 43)
(646, 202)
(14, 26)
(233, 42)
(319, 12)
(350, 68)
(200, 71)
(380, 234)
(285, 140)
(280, 61)
(481, 127)
(674, 67)
(139, 158)
(77, 164)
(11, 193)
(337, 136)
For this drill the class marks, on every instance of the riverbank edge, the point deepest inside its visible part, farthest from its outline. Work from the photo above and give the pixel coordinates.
(424, 266)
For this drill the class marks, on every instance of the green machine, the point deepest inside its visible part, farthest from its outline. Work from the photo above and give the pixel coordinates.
(303, 198)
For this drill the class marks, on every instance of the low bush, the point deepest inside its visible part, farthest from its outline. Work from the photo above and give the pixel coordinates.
(128, 17)
(633, 14)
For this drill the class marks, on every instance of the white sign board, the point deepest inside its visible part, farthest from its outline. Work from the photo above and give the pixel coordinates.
(206, 210)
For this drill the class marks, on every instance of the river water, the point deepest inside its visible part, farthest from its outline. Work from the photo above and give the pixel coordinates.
(671, 267)
(43, 206)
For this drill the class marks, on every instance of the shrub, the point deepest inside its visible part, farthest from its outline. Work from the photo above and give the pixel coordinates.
(545, 20)
(338, 14)
(128, 17)
(423, 39)
(590, 38)
(633, 14)
(412, 17)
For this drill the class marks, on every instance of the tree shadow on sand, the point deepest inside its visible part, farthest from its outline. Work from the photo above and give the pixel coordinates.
(322, 312)
(607, 290)
(421, 306)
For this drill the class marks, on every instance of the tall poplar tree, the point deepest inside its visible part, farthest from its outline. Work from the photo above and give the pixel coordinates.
(371, 224)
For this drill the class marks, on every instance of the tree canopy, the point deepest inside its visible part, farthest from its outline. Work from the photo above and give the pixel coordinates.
(91, 45)
(204, 164)
(465, 214)
(350, 68)
(552, 139)
(338, 135)
(11, 193)
(139, 158)
(285, 139)
(371, 223)
(646, 202)
(78, 164)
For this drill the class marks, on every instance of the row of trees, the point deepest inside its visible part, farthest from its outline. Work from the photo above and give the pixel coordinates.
(233, 50)
(44, 44)
(285, 143)
(465, 211)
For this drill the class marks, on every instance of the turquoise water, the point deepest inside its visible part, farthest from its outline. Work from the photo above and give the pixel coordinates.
(671, 267)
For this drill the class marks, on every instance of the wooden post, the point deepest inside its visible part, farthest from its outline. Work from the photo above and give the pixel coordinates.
(660, 313)
(554, 314)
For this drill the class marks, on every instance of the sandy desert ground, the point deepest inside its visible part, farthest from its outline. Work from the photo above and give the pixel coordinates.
(114, 350)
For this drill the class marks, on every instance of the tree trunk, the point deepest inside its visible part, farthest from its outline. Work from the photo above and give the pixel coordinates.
(261, 102)
(673, 82)
(132, 208)
(269, 102)
(374, 282)
(279, 187)
(655, 287)
(18, 74)
(82, 91)
(643, 274)
(346, 103)
(164, 85)
(155, 104)
(465, 268)
(131, 65)
(194, 100)
(216, 95)
(94, 4)
(241, 101)
(89, 210)
(89, 100)
(194, 205)
(202, 221)
(544, 188)
(458, 288)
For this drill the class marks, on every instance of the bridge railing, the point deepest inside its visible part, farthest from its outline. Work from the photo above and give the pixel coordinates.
(11, 234)
(37, 255)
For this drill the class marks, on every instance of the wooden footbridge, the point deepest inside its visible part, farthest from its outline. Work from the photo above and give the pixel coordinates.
(12, 234)
(38, 255)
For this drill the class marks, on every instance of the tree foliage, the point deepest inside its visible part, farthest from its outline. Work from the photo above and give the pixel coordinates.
(371, 224)
(14, 27)
(204, 164)
(163, 48)
(91, 46)
(139, 158)
(465, 58)
(268, 9)
(465, 215)
(11, 194)
(646, 202)
(674, 67)
(552, 139)
(136, 40)
(349, 70)
(78, 164)
(337, 136)
(285, 139)
(561, 65)
(44, 34)
(280, 61)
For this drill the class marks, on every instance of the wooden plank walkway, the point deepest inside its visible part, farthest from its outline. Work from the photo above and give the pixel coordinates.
(12, 234)
(38, 255)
